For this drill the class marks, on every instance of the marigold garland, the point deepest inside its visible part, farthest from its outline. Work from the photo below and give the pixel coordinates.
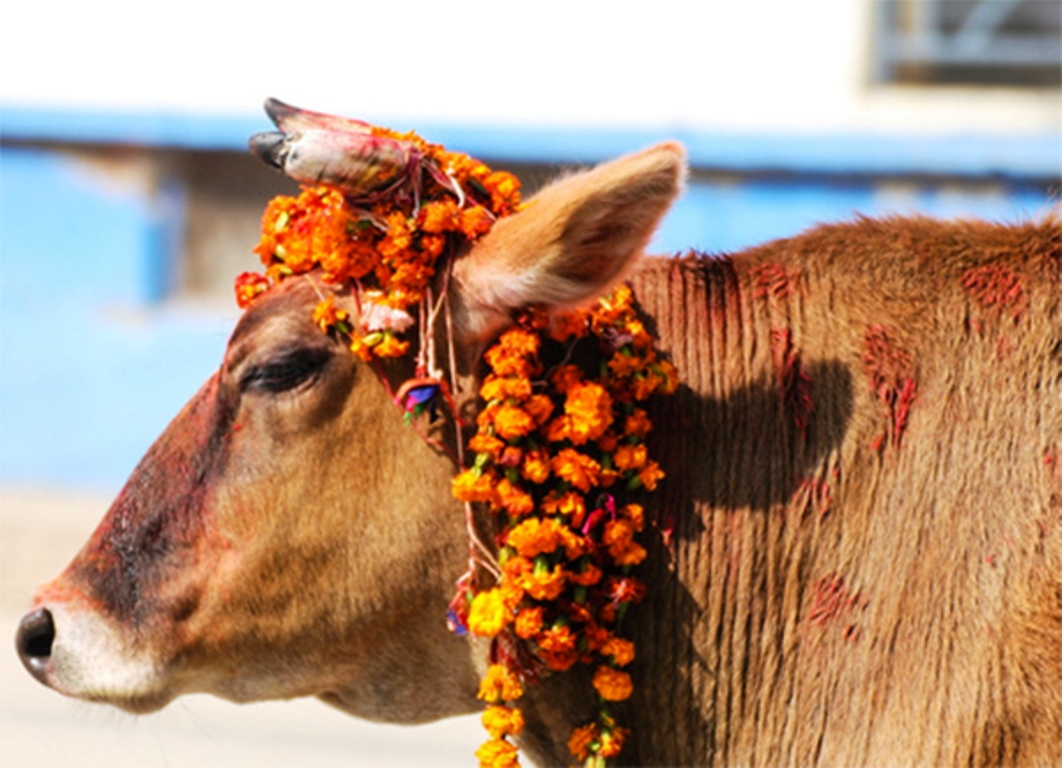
(389, 248)
(559, 446)
(557, 451)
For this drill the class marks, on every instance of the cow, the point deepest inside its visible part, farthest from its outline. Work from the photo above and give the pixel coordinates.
(857, 549)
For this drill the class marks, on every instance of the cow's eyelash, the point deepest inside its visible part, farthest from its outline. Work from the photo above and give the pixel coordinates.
(286, 372)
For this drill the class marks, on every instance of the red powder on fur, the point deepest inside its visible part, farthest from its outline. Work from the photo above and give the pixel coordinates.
(773, 282)
(793, 382)
(831, 600)
(814, 495)
(891, 374)
(997, 289)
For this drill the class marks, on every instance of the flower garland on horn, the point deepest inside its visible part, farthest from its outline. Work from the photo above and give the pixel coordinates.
(559, 454)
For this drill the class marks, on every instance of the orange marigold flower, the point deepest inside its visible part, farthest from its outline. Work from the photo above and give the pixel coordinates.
(636, 514)
(497, 753)
(528, 622)
(546, 585)
(637, 424)
(536, 466)
(515, 501)
(612, 684)
(650, 475)
(571, 503)
(619, 538)
(535, 536)
(621, 651)
(517, 341)
(501, 388)
(579, 470)
(589, 407)
(325, 314)
(249, 286)
(568, 324)
(608, 442)
(483, 443)
(557, 648)
(625, 365)
(504, 191)
(511, 456)
(432, 246)
(474, 222)
(630, 457)
(559, 429)
(488, 615)
(671, 379)
(512, 593)
(575, 546)
(612, 742)
(399, 237)
(539, 407)
(440, 216)
(511, 422)
(390, 346)
(596, 636)
(516, 566)
(503, 721)
(565, 377)
(588, 578)
(500, 684)
(471, 485)
(360, 348)
(645, 386)
(581, 741)
(640, 337)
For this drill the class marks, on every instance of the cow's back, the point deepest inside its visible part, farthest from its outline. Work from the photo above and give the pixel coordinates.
(865, 495)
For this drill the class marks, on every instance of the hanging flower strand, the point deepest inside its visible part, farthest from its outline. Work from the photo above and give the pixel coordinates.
(559, 454)
(558, 451)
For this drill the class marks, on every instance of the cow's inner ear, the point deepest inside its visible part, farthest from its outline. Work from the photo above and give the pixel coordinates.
(572, 241)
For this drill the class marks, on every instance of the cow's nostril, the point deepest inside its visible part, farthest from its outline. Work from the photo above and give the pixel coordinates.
(36, 633)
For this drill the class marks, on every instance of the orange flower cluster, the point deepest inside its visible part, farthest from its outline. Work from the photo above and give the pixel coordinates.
(391, 246)
(557, 450)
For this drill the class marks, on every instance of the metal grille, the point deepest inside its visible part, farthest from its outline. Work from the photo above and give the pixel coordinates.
(969, 42)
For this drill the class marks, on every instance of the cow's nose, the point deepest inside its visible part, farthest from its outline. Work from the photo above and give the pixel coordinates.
(36, 632)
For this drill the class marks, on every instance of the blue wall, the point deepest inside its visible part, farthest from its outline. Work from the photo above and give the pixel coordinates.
(90, 369)
(93, 365)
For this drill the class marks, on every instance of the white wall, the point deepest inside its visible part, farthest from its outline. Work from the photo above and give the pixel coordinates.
(732, 64)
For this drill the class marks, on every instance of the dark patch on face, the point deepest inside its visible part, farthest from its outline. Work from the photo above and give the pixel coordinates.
(161, 517)
(154, 524)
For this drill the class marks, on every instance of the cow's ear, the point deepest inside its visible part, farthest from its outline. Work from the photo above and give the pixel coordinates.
(572, 240)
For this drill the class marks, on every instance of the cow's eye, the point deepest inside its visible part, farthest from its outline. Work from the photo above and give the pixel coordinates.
(285, 372)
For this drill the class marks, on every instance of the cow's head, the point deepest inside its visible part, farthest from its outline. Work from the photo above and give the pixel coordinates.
(288, 535)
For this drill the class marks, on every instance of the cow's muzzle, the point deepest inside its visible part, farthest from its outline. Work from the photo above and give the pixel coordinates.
(36, 633)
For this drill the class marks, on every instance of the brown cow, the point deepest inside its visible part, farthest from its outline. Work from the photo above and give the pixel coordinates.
(864, 493)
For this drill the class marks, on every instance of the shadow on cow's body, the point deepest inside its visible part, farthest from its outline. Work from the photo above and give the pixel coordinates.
(857, 557)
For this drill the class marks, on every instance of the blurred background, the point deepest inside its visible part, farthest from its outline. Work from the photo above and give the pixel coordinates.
(128, 203)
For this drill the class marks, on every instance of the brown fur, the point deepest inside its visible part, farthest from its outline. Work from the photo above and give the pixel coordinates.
(857, 557)
(844, 599)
